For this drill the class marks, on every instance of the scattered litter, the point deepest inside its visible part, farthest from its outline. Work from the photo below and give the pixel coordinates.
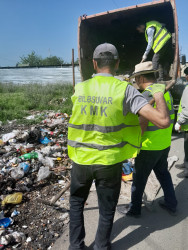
(127, 171)
(9, 136)
(14, 213)
(28, 239)
(33, 164)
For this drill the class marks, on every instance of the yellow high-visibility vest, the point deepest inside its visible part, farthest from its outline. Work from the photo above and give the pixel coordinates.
(161, 36)
(184, 127)
(99, 132)
(155, 138)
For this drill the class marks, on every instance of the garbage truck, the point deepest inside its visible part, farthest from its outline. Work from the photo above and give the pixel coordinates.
(119, 28)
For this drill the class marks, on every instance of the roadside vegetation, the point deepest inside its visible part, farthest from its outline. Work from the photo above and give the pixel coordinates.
(34, 60)
(18, 101)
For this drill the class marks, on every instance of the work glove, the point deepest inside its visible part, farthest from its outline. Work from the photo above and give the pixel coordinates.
(158, 87)
(143, 58)
(177, 127)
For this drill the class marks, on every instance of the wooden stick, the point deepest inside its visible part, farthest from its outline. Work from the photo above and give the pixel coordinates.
(56, 197)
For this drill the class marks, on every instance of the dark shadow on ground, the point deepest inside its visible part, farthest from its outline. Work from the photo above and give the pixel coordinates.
(176, 136)
(150, 221)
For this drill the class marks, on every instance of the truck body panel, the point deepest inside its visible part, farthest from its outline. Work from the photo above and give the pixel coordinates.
(119, 28)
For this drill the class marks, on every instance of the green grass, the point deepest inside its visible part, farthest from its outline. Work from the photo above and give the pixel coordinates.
(16, 101)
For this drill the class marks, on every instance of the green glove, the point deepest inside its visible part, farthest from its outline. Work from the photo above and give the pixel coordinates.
(158, 87)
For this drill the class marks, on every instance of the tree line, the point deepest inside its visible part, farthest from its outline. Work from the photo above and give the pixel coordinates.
(34, 60)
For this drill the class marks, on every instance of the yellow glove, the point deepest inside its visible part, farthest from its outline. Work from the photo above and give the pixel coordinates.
(158, 88)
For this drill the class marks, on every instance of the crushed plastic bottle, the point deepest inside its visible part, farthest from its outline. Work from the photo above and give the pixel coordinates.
(25, 166)
(32, 155)
(17, 173)
(12, 141)
(15, 198)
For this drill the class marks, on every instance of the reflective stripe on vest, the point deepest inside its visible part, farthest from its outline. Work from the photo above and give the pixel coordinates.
(161, 35)
(184, 127)
(155, 138)
(98, 132)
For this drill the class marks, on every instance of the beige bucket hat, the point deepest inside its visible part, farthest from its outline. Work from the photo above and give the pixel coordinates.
(143, 68)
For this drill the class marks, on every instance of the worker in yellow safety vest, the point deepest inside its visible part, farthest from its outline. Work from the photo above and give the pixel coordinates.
(154, 152)
(103, 132)
(159, 40)
(182, 125)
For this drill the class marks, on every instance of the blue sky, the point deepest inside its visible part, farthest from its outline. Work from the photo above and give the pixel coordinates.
(49, 27)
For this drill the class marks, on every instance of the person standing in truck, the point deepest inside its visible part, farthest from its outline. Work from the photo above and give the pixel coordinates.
(154, 152)
(182, 125)
(104, 131)
(159, 40)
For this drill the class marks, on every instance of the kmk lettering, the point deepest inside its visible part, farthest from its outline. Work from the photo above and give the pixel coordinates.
(83, 109)
(93, 110)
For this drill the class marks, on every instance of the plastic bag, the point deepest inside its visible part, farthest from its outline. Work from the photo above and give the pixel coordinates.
(127, 168)
(15, 198)
(45, 140)
(5, 222)
(43, 173)
(7, 137)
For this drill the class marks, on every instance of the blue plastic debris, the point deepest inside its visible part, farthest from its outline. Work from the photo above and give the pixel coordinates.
(5, 222)
(127, 168)
(45, 140)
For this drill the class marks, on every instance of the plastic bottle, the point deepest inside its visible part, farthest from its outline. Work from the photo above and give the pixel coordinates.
(17, 173)
(32, 155)
(25, 150)
(25, 166)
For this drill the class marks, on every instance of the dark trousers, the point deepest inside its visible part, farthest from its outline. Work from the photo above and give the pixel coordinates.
(144, 163)
(108, 183)
(186, 146)
(162, 61)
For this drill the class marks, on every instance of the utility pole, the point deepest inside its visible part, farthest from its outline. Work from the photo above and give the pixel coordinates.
(73, 74)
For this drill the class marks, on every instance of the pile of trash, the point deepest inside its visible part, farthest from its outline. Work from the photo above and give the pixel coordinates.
(34, 165)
